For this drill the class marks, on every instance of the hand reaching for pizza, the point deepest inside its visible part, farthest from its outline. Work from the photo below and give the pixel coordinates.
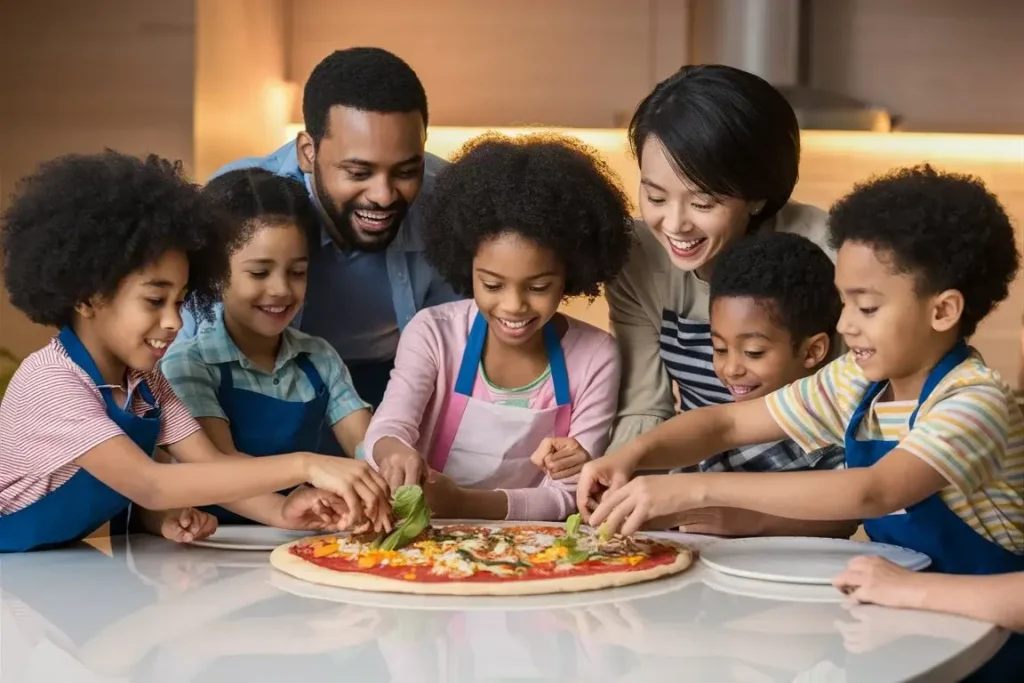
(627, 508)
(308, 508)
(560, 457)
(187, 525)
(599, 477)
(365, 492)
(399, 464)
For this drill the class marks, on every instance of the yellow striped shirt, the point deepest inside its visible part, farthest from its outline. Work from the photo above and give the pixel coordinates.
(970, 429)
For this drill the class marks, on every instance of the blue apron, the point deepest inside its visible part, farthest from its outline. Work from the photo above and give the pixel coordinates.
(264, 425)
(83, 503)
(930, 527)
(369, 379)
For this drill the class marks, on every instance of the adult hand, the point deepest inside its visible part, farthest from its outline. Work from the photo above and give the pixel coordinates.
(560, 457)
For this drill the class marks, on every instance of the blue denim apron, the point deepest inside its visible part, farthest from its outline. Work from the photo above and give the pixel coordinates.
(264, 425)
(930, 527)
(83, 503)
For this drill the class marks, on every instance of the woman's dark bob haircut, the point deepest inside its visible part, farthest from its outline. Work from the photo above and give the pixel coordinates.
(727, 132)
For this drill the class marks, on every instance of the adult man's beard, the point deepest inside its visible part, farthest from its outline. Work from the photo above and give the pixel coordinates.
(345, 234)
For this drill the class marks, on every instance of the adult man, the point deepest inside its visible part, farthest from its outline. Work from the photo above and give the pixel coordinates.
(362, 157)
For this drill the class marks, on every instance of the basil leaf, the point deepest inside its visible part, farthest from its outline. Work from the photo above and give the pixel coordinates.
(572, 525)
(578, 556)
(406, 500)
(411, 527)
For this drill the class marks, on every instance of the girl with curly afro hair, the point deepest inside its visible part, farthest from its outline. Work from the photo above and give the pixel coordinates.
(498, 400)
(106, 247)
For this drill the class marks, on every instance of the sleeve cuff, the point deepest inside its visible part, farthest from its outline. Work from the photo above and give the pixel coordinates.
(628, 428)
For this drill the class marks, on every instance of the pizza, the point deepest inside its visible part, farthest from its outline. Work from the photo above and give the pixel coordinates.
(483, 559)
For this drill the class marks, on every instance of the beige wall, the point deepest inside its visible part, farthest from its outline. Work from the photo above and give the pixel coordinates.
(580, 63)
(80, 76)
(242, 100)
(943, 64)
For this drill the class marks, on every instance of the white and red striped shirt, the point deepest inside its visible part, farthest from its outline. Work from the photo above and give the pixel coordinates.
(52, 414)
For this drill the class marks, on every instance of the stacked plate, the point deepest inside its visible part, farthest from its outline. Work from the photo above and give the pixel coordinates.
(795, 568)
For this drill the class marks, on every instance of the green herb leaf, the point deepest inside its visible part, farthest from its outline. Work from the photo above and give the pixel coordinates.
(410, 506)
(411, 527)
(572, 525)
(406, 500)
(578, 556)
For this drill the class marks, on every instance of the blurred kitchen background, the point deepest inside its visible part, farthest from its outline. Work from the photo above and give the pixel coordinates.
(876, 83)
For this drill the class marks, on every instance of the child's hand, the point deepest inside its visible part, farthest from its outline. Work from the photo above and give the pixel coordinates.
(560, 457)
(873, 579)
(187, 525)
(444, 496)
(400, 468)
(364, 492)
(626, 509)
(310, 508)
(600, 477)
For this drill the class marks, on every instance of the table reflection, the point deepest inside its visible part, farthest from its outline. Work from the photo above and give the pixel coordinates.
(149, 611)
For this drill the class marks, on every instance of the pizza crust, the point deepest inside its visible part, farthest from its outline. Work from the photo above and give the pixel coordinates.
(285, 561)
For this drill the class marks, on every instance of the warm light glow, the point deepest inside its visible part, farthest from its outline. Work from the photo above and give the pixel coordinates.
(445, 140)
(920, 146)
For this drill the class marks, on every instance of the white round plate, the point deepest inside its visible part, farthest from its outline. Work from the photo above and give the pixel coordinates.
(771, 590)
(250, 537)
(799, 560)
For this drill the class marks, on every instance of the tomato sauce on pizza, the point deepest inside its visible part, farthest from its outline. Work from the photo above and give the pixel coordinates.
(480, 553)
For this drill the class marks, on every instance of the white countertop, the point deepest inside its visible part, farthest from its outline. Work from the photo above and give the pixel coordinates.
(152, 611)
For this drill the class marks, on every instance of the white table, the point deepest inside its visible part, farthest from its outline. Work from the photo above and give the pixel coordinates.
(157, 612)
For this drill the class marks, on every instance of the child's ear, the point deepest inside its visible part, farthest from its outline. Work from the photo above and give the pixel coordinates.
(816, 350)
(947, 309)
(305, 150)
(86, 309)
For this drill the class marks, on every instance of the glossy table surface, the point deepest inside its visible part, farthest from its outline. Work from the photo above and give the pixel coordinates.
(145, 609)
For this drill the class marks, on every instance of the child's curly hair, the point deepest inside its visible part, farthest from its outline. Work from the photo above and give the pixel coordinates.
(552, 190)
(81, 223)
(945, 229)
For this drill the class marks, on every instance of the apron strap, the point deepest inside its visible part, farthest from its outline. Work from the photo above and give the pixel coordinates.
(957, 355)
(556, 359)
(319, 388)
(82, 358)
(451, 418)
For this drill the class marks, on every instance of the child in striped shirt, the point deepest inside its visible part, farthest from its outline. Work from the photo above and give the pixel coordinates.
(105, 247)
(256, 384)
(773, 311)
(934, 438)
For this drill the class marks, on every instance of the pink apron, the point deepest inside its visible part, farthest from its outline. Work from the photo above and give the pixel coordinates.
(486, 445)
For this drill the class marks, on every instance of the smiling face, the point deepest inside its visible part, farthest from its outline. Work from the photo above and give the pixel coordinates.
(894, 332)
(367, 171)
(518, 286)
(691, 225)
(135, 326)
(268, 282)
(753, 355)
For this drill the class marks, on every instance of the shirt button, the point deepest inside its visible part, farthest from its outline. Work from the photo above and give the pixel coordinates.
(277, 381)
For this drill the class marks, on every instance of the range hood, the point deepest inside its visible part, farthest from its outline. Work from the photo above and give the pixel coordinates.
(771, 38)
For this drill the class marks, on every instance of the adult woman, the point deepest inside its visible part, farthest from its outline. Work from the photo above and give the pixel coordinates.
(719, 154)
